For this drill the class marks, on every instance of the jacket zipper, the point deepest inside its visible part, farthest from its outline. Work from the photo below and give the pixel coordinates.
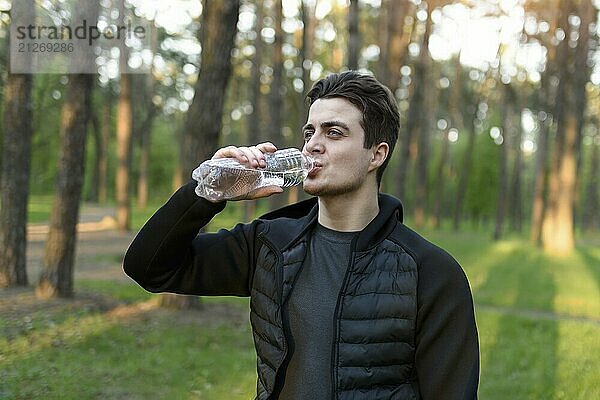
(336, 322)
(279, 277)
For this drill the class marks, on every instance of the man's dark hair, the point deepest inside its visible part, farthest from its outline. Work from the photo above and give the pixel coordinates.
(381, 120)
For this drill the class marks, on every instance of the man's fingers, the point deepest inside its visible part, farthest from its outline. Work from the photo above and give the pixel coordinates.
(267, 147)
(252, 156)
(263, 192)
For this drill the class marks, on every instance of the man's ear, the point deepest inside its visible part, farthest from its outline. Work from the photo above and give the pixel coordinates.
(379, 154)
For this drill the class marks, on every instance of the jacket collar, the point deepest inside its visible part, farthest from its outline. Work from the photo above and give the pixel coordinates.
(306, 212)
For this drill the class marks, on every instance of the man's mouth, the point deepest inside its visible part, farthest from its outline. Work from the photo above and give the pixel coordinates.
(315, 170)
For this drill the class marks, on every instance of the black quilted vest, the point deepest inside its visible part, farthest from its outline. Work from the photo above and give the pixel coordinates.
(374, 345)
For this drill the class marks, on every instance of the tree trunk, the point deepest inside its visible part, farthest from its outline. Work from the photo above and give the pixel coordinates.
(204, 118)
(540, 184)
(508, 127)
(254, 134)
(92, 194)
(440, 181)
(105, 134)
(395, 42)
(277, 94)
(558, 231)
(557, 227)
(397, 46)
(306, 56)
(56, 279)
(124, 150)
(124, 140)
(586, 12)
(383, 36)
(144, 133)
(465, 171)
(307, 52)
(591, 213)
(516, 200)
(16, 165)
(546, 98)
(425, 114)
(145, 138)
(354, 39)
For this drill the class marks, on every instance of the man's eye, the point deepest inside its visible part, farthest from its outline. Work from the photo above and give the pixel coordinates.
(308, 134)
(334, 132)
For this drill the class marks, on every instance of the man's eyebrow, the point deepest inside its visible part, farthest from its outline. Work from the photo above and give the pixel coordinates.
(307, 126)
(328, 124)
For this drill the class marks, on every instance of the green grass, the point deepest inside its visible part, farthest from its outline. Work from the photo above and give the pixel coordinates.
(527, 358)
(120, 291)
(512, 273)
(96, 357)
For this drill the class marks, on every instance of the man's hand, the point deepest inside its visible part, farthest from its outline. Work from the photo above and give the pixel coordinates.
(252, 156)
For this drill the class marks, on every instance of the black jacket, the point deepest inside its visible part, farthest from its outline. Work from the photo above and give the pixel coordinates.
(404, 322)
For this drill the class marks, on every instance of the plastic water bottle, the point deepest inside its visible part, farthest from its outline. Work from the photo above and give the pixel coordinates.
(226, 178)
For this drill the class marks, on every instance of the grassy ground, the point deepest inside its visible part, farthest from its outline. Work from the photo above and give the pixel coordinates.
(538, 319)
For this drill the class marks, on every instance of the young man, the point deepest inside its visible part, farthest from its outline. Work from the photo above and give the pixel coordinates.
(346, 301)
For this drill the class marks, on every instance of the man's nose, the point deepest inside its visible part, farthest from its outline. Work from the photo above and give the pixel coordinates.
(314, 144)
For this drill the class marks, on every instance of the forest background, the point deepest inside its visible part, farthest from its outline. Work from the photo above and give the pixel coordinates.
(498, 156)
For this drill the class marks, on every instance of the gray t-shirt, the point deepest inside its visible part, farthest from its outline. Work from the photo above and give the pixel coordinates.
(311, 307)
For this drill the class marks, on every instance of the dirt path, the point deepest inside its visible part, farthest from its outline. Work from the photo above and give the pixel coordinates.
(99, 254)
(99, 250)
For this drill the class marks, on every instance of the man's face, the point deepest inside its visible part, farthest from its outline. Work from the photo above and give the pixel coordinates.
(334, 137)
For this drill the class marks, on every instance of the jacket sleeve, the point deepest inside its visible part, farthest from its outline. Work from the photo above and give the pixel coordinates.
(447, 349)
(170, 255)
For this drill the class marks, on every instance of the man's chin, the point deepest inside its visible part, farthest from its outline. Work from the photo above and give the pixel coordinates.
(312, 189)
(322, 190)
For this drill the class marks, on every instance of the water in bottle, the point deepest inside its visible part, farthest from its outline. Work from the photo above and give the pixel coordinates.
(226, 178)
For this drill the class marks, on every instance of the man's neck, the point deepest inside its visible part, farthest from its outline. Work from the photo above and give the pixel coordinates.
(349, 212)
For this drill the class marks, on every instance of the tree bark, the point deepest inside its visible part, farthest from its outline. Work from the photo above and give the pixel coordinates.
(204, 119)
(124, 140)
(591, 213)
(354, 39)
(105, 133)
(92, 194)
(124, 150)
(540, 184)
(440, 181)
(396, 41)
(547, 96)
(399, 38)
(383, 36)
(425, 113)
(254, 134)
(277, 94)
(508, 127)
(16, 165)
(515, 193)
(307, 53)
(465, 171)
(56, 279)
(586, 12)
(144, 133)
(557, 229)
